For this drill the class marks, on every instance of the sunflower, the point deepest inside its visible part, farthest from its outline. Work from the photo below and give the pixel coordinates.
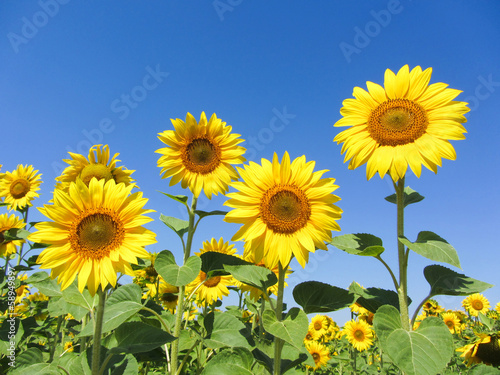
(7, 222)
(332, 330)
(497, 307)
(359, 334)
(476, 303)
(286, 210)
(98, 165)
(319, 352)
(452, 322)
(209, 290)
(200, 154)
(319, 323)
(312, 335)
(68, 346)
(357, 309)
(20, 186)
(217, 246)
(432, 308)
(168, 295)
(486, 350)
(406, 122)
(96, 232)
(147, 274)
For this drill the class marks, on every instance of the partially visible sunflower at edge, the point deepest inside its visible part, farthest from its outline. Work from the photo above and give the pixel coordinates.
(6, 223)
(286, 209)
(486, 349)
(200, 155)
(98, 165)
(20, 186)
(95, 232)
(405, 123)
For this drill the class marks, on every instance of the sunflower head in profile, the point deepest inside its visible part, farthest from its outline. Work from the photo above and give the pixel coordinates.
(168, 295)
(486, 349)
(476, 303)
(20, 186)
(200, 155)
(319, 352)
(359, 334)
(406, 122)
(148, 273)
(95, 232)
(9, 247)
(98, 165)
(286, 210)
(431, 308)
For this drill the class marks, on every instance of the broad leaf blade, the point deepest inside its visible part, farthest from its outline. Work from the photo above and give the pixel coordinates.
(292, 329)
(213, 263)
(138, 337)
(317, 297)
(173, 274)
(363, 244)
(203, 214)
(258, 277)
(410, 197)
(433, 247)
(224, 330)
(373, 298)
(444, 281)
(231, 361)
(178, 198)
(177, 225)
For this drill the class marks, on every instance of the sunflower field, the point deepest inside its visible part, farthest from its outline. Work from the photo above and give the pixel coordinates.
(81, 293)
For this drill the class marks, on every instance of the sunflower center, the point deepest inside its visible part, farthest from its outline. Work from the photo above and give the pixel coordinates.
(397, 122)
(285, 209)
(151, 272)
(201, 156)
(211, 281)
(450, 324)
(96, 234)
(359, 335)
(477, 305)
(317, 326)
(19, 188)
(169, 297)
(2, 237)
(316, 357)
(97, 170)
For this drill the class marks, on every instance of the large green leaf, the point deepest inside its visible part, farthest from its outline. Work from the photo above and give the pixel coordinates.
(433, 247)
(177, 225)
(60, 307)
(373, 298)
(73, 296)
(230, 361)
(29, 357)
(317, 297)
(258, 277)
(290, 356)
(173, 274)
(363, 244)
(129, 292)
(224, 330)
(138, 337)
(410, 196)
(483, 369)
(445, 281)
(292, 329)
(39, 369)
(213, 263)
(43, 282)
(178, 198)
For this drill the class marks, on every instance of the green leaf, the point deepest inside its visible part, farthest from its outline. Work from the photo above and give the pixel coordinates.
(138, 337)
(231, 361)
(317, 297)
(363, 244)
(488, 322)
(223, 329)
(433, 247)
(177, 225)
(212, 263)
(39, 369)
(258, 277)
(129, 292)
(203, 214)
(60, 307)
(15, 234)
(292, 329)
(410, 196)
(290, 356)
(178, 198)
(373, 298)
(29, 357)
(447, 282)
(73, 296)
(483, 369)
(45, 284)
(173, 274)
(424, 351)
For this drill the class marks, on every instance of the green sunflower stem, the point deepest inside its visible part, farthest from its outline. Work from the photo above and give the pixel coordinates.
(402, 256)
(278, 343)
(182, 290)
(98, 320)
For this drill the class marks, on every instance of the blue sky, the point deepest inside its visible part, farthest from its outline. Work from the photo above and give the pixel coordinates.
(76, 73)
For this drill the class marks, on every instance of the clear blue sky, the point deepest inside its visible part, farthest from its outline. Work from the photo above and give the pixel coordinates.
(117, 71)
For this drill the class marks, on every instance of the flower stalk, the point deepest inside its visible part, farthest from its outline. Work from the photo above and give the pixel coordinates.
(278, 343)
(98, 321)
(402, 257)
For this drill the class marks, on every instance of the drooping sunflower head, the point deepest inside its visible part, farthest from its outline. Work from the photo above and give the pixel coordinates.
(486, 349)
(286, 210)
(406, 122)
(9, 247)
(319, 352)
(200, 155)
(148, 273)
(359, 334)
(217, 246)
(476, 303)
(20, 186)
(169, 295)
(98, 165)
(95, 232)
(432, 308)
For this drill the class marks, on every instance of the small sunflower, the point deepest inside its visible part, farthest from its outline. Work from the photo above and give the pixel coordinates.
(96, 232)
(6, 223)
(168, 295)
(319, 323)
(217, 246)
(357, 309)
(432, 308)
(286, 210)
(312, 335)
(452, 322)
(320, 354)
(20, 186)
(147, 274)
(359, 334)
(211, 289)
(497, 307)
(68, 346)
(406, 122)
(476, 303)
(486, 350)
(98, 165)
(200, 154)
(331, 332)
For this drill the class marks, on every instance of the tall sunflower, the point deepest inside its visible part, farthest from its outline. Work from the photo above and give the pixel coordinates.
(200, 154)
(20, 186)
(406, 122)
(319, 352)
(476, 303)
(6, 223)
(98, 165)
(286, 209)
(359, 334)
(96, 232)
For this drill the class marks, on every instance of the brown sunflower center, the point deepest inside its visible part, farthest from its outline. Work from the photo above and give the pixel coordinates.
(285, 209)
(317, 326)
(397, 122)
(359, 335)
(99, 171)
(316, 357)
(19, 188)
(211, 281)
(477, 305)
(96, 234)
(450, 323)
(201, 156)
(169, 297)
(2, 237)
(151, 272)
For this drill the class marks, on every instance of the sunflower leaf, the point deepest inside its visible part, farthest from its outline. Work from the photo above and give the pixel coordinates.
(138, 337)
(177, 225)
(292, 329)
(223, 330)
(173, 274)
(444, 281)
(363, 244)
(179, 198)
(317, 297)
(230, 361)
(14, 234)
(410, 196)
(203, 214)
(213, 263)
(42, 281)
(433, 247)
(373, 298)
(258, 277)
